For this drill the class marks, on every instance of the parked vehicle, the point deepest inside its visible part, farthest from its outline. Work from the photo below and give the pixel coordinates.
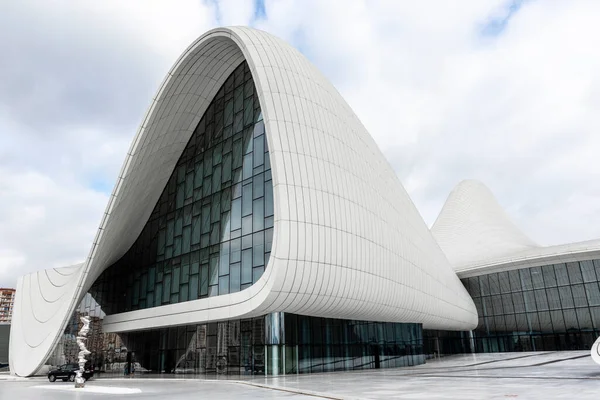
(68, 372)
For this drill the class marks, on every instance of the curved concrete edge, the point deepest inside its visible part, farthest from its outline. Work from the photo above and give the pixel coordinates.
(595, 351)
(42, 308)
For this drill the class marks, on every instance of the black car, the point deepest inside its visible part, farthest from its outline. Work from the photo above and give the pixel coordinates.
(68, 372)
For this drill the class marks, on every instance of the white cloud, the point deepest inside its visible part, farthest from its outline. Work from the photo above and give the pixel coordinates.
(444, 97)
(45, 224)
(446, 102)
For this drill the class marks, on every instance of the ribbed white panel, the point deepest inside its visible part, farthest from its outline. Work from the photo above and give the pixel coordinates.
(42, 301)
(472, 227)
(348, 241)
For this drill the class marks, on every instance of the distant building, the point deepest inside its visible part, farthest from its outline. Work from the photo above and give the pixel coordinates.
(7, 301)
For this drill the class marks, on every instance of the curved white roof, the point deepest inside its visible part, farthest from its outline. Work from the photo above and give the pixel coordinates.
(538, 256)
(472, 226)
(348, 241)
(478, 236)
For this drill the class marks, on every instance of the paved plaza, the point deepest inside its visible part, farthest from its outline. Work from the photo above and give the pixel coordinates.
(541, 375)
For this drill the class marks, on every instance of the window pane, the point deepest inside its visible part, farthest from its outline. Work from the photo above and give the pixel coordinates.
(224, 260)
(574, 272)
(588, 271)
(223, 284)
(518, 301)
(258, 215)
(474, 285)
(484, 285)
(183, 292)
(247, 168)
(259, 151)
(529, 300)
(584, 318)
(526, 282)
(214, 270)
(175, 279)
(537, 278)
(540, 299)
(566, 298)
(247, 225)
(579, 297)
(592, 293)
(247, 266)
(553, 299)
(257, 273)
(549, 277)
(268, 198)
(494, 284)
(561, 274)
(204, 279)
(258, 186)
(515, 280)
(193, 287)
(166, 288)
(504, 282)
(235, 277)
(246, 200)
(196, 230)
(187, 231)
(507, 303)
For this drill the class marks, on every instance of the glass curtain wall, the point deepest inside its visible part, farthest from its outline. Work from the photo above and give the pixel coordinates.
(212, 228)
(552, 307)
(286, 344)
(315, 344)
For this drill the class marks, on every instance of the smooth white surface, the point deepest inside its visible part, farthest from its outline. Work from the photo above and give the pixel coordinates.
(472, 227)
(540, 375)
(595, 351)
(348, 241)
(479, 238)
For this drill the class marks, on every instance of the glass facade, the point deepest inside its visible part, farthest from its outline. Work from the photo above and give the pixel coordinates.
(276, 344)
(553, 307)
(211, 231)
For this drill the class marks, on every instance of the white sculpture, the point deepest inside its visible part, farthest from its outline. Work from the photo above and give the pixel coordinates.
(79, 380)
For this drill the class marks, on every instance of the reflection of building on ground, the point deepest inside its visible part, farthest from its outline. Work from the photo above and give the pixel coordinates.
(256, 228)
(104, 347)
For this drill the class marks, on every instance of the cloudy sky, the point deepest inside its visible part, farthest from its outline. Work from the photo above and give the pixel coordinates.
(507, 92)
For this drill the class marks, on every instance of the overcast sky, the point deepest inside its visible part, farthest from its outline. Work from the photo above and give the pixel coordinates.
(507, 92)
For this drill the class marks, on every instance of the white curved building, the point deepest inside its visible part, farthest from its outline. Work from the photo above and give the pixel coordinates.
(528, 297)
(251, 189)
